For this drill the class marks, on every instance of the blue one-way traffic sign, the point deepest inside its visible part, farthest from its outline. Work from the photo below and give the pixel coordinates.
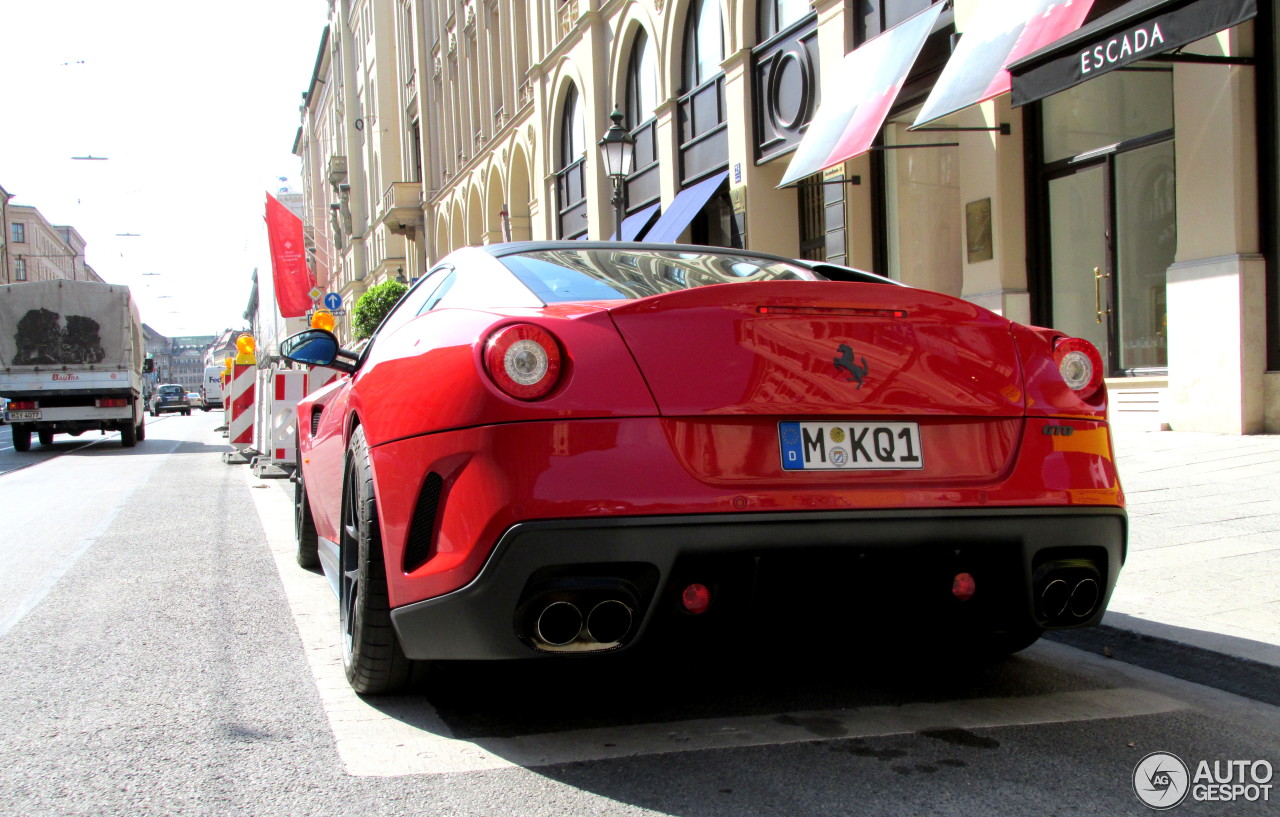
(332, 301)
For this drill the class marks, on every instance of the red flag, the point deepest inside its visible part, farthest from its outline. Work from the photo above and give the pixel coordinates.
(293, 281)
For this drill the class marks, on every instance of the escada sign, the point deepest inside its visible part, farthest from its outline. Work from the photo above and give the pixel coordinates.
(1121, 48)
(1136, 30)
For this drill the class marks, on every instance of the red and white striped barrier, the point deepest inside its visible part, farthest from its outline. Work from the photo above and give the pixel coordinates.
(319, 377)
(288, 389)
(241, 405)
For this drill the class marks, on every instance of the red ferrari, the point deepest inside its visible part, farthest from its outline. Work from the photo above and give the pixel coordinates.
(559, 448)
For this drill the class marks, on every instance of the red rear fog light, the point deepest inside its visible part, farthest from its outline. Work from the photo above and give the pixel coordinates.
(696, 598)
(963, 586)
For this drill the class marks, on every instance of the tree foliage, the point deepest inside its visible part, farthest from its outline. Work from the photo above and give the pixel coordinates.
(373, 306)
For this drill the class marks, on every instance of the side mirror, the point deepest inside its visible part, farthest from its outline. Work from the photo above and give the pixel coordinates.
(315, 347)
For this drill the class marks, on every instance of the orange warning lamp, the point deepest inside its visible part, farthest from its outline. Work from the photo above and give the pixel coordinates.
(323, 319)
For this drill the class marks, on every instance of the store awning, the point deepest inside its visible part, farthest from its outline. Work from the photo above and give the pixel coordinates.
(1000, 32)
(635, 223)
(858, 97)
(1138, 30)
(688, 203)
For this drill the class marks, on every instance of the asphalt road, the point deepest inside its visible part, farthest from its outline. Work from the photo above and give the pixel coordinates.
(160, 653)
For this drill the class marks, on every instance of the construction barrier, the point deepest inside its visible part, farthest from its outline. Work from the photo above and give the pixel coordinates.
(279, 429)
(242, 406)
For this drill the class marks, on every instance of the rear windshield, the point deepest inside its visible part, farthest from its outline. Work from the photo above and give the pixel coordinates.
(562, 275)
(172, 390)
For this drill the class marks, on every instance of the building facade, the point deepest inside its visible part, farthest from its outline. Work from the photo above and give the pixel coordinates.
(1135, 204)
(35, 250)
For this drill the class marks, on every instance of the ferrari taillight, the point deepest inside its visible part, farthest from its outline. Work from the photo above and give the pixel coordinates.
(1079, 364)
(523, 360)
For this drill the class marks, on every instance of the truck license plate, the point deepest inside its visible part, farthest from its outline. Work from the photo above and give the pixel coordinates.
(850, 446)
(24, 414)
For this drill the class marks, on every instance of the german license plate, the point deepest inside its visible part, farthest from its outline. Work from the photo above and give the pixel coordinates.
(24, 414)
(850, 446)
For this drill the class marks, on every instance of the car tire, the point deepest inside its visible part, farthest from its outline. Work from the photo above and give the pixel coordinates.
(21, 437)
(128, 434)
(371, 654)
(142, 428)
(186, 413)
(46, 437)
(304, 525)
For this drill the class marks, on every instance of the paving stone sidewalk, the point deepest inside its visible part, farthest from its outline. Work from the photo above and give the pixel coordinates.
(1204, 541)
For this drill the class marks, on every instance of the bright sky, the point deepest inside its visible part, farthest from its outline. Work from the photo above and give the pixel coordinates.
(195, 107)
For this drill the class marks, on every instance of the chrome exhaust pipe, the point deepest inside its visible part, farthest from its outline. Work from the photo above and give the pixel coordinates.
(1054, 598)
(1084, 598)
(558, 624)
(609, 622)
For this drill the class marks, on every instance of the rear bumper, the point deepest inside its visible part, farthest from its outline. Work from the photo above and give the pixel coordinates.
(909, 557)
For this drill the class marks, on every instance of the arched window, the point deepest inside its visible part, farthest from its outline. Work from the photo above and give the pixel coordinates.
(779, 15)
(642, 82)
(644, 183)
(573, 135)
(571, 185)
(703, 43)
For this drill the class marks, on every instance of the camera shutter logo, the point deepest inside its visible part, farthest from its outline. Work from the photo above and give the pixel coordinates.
(1161, 780)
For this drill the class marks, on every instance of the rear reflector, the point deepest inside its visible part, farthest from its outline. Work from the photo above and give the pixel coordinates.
(23, 405)
(696, 598)
(112, 402)
(831, 310)
(963, 586)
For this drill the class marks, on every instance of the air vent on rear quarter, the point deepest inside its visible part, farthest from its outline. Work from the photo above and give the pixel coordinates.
(418, 545)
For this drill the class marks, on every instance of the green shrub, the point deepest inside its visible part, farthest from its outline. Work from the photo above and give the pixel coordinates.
(373, 306)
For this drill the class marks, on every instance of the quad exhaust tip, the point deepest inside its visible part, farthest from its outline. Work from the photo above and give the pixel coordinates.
(1062, 602)
(560, 625)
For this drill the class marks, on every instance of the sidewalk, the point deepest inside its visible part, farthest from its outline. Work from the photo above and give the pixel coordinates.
(1204, 542)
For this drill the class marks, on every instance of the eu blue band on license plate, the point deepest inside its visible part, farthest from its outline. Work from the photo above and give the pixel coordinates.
(837, 446)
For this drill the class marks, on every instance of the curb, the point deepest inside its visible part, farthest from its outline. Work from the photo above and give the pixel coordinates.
(1160, 649)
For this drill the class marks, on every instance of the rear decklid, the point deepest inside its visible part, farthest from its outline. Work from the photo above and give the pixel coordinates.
(822, 348)
(810, 380)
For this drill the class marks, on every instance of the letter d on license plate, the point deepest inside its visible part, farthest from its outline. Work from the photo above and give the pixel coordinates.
(850, 446)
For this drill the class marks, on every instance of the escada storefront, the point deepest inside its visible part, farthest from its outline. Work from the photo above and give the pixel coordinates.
(1151, 168)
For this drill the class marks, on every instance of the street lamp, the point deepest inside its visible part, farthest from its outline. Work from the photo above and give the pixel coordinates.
(619, 149)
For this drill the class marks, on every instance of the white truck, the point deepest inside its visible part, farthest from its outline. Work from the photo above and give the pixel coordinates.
(71, 360)
(212, 388)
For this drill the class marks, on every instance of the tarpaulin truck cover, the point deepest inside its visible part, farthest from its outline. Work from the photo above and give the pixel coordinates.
(63, 325)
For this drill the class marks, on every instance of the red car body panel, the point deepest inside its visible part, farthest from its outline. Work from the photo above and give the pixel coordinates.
(496, 476)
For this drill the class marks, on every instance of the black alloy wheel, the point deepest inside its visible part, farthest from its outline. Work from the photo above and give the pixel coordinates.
(304, 525)
(371, 654)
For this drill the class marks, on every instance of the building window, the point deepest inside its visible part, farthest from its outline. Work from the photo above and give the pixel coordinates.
(704, 44)
(872, 18)
(702, 110)
(642, 82)
(20, 269)
(644, 183)
(571, 178)
(18, 232)
(778, 15)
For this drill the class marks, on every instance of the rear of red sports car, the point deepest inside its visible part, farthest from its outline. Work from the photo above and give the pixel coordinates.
(557, 469)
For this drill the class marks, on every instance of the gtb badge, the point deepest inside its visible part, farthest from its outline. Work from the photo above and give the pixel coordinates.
(845, 362)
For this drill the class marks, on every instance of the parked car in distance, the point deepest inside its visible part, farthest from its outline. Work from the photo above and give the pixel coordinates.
(169, 397)
(555, 449)
(195, 400)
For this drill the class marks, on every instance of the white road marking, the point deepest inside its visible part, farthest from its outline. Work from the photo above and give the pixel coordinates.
(372, 743)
